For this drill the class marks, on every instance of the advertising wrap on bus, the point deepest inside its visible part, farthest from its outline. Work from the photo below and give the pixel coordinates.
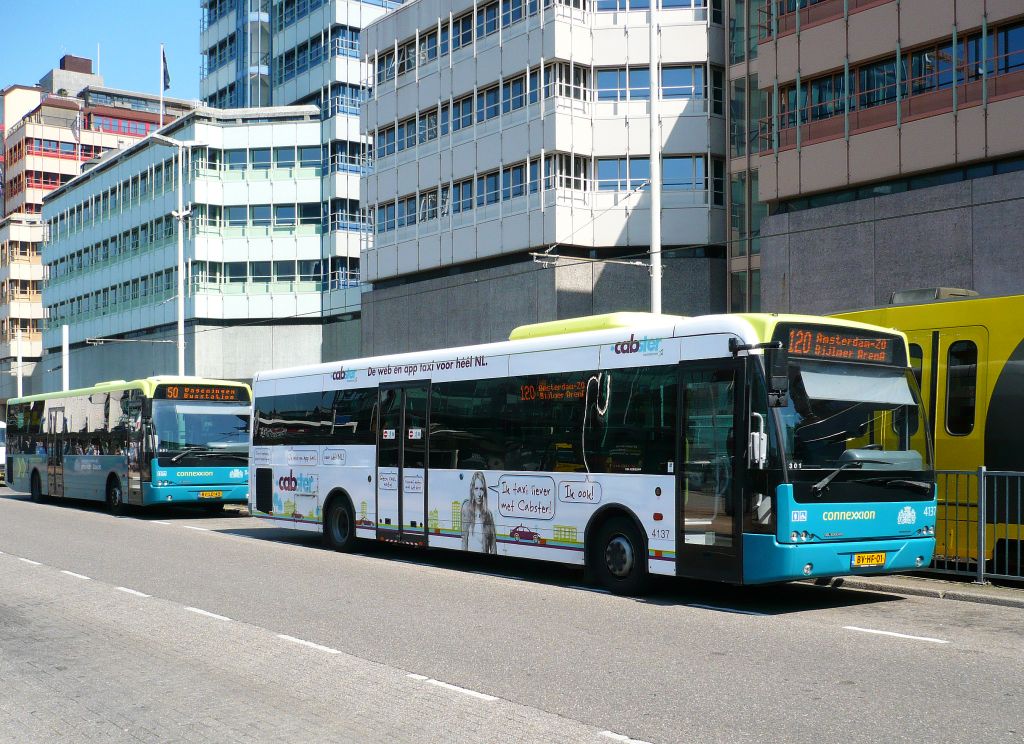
(741, 448)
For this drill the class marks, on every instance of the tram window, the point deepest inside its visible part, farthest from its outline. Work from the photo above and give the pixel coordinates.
(961, 385)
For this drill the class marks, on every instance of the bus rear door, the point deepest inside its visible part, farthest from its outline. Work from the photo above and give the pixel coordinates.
(56, 428)
(708, 534)
(402, 447)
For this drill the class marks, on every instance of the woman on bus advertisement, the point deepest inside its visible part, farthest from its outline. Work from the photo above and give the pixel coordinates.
(477, 520)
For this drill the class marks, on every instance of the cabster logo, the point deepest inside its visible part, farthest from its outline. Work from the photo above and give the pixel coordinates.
(907, 515)
(301, 483)
(343, 374)
(634, 346)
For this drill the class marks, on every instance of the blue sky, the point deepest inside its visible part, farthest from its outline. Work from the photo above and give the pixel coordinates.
(37, 33)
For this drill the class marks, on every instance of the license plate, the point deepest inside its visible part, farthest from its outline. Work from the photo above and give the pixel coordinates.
(210, 494)
(860, 560)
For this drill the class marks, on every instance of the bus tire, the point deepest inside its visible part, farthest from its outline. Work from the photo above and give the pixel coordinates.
(115, 496)
(36, 487)
(618, 557)
(340, 525)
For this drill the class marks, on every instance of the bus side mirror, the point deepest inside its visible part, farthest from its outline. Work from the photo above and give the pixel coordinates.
(776, 372)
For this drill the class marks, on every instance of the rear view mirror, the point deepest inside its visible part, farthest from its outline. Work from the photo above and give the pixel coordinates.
(776, 372)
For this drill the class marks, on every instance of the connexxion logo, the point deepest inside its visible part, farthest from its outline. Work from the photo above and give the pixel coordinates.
(633, 346)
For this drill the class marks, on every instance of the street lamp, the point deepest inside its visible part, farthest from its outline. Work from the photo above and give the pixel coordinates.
(181, 214)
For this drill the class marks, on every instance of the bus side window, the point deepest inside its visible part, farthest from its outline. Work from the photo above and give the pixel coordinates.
(961, 384)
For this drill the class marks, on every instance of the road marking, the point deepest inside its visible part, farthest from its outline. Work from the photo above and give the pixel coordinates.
(492, 575)
(727, 609)
(77, 576)
(622, 737)
(454, 688)
(31, 563)
(214, 615)
(895, 635)
(193, 527)
(126, 590)
(157, 521)
(310, 644)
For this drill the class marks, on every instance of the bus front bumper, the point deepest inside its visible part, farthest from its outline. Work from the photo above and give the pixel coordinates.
(766, 560)
(226, 493)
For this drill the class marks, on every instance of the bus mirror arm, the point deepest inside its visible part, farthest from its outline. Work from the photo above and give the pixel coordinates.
(758, 450)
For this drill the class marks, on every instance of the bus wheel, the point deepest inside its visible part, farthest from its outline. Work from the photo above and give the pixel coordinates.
(618, 557)
(115, 497)
(339, 525)
(36, 488)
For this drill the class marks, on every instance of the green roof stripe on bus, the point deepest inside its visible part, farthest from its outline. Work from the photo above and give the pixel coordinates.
(146, 384)
(764, 324)
(590, 323)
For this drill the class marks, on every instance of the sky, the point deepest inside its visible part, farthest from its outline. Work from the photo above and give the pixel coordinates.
(37, 33)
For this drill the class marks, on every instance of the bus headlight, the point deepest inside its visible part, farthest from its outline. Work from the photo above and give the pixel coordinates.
(794, 536)
(804, 535)
(808, 569)
(919, 561)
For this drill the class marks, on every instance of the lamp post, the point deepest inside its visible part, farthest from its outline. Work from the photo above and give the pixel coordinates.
(181, 214)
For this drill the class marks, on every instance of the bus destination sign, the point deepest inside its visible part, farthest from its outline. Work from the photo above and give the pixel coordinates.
(223, 393)
(840, 344)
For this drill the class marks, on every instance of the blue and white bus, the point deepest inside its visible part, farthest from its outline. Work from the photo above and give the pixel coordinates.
(158, 440)
(740, 448)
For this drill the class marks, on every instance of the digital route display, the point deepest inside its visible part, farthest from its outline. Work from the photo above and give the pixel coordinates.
(218, 393)
(840, 344)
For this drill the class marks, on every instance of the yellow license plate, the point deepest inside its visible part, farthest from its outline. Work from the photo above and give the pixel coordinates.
(210, 494)
(860, 560)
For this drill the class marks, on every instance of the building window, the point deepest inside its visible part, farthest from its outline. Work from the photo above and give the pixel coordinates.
(486, 20)
(683, 173)
(462, 113)
(462, 196)
(622, 174)
(407, 211)
(682, 81)
(621, 83)
(386, 217)
(488, 103)
(487, 191)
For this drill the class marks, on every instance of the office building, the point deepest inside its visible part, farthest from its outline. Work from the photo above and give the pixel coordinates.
(252, 250)
(299, 52)
(882, 138)
(512, 164)
(51, 130)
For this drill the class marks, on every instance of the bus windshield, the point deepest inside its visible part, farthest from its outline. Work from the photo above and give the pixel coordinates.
(855, 416)
(207, 426)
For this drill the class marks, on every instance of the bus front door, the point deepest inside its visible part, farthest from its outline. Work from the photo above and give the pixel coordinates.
(708, 517)
(56, 429)
(402, 445)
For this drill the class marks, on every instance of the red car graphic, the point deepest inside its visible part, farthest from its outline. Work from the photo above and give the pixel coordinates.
(524, 534)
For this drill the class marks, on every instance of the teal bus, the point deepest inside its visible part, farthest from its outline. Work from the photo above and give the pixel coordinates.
(158, 440)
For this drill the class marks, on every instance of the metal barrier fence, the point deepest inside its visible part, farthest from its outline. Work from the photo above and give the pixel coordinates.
(979, 528)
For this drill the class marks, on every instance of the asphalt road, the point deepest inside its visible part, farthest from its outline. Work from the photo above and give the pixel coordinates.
(171, 626)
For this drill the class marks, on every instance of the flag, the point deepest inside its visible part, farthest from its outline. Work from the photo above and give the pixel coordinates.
(76, 127)
(167, 73)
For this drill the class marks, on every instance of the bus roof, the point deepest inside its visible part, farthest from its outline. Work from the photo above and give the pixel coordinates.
(749, 328)
(959, 311)
(146, 384)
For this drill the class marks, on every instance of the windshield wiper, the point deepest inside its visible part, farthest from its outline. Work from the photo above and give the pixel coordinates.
(821, 485)
(222, 453)
(922, 486)
(186, 451)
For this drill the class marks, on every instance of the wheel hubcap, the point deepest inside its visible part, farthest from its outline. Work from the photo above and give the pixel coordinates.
(618, 556)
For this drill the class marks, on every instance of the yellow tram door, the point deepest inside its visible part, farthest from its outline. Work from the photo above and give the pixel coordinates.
(960, 406)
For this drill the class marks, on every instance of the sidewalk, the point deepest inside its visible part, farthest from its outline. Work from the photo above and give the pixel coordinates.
(925, 586)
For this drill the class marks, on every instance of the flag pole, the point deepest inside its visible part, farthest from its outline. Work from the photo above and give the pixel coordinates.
(163, 76)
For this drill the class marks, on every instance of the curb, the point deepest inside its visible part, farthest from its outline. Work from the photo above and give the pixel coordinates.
(979, 596)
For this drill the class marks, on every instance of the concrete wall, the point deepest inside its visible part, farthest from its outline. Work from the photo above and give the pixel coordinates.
(854, 255)
(228, 352)
(486, 304)
(342, 339)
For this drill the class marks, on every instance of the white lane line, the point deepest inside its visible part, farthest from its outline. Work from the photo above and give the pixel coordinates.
(310, 644)
(492, 575)
(727, 609)
(454, 688)
(214, 615)
(157, 521)
(77, 576)
(126, 590)
(622, 737)
(193, 527)
(894, 635)
(31, 563)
